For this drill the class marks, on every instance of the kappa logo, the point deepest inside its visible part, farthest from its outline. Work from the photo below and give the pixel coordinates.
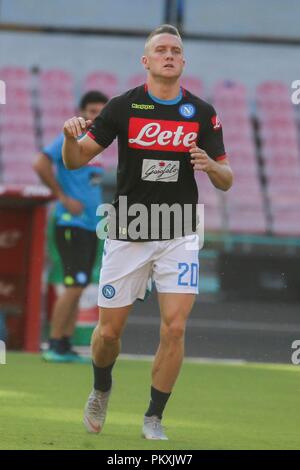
(142, 106)
(168, 136)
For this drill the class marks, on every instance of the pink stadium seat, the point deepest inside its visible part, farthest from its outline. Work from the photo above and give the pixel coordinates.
(285, 200)
(18, 114)
(286, 222)
(10, 141)
(193, 84)
(57, 96)
(57, 115)
(17, 128)
(19, 172)
(212, 218)
(56, 101)
(18, 96)
(230, 97)
(280, 151)
(282, 171)
(49, 134)
(106, 82)
(18, 151)
(246, 193)
(17, 77)
(56, 78)
(136, 80)
(247, 220)
(109, 157)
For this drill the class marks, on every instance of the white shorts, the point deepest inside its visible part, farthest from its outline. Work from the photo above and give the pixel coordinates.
(127, 267)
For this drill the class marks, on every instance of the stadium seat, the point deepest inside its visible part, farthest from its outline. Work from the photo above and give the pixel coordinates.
(19, 173)
(109, 157)
(212, 200)
(56, 79)
(55, 101)
(212, 218)
(193, 84)
(286, 221)
(106, 82)
(280, 152)
(16, 77)
(247, 220)
(135, 80)
(245, 198)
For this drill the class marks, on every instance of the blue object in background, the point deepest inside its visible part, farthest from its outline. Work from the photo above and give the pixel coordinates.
(3, 329)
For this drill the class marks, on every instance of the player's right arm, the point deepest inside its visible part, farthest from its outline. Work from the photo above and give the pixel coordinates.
(77, 153)
(43, 167)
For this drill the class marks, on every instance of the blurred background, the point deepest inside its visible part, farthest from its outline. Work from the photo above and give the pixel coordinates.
(243, 58)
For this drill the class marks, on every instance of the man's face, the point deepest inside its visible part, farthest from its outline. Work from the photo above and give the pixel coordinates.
(164, 56)
(92, 110)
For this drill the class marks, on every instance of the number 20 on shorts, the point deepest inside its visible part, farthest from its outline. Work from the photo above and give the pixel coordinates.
(188, 275)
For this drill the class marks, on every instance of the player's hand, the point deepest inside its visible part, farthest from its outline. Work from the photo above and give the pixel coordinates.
(72, 205)
(200, 160)
(75, 126)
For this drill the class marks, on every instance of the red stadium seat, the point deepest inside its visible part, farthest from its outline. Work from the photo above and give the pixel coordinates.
(212, 218)
(136, 80)
(286, 221)
(193, 84)
(109, 157)
(247, 220)
(17, 77)
(106, 82)
(56, 79)
(19, 172)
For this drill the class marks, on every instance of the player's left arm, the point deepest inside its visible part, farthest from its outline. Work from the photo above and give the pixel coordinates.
(219, 171)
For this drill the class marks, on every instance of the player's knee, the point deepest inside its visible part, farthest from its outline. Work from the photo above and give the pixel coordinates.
(174, 331)
(75, 292)
(109, 335)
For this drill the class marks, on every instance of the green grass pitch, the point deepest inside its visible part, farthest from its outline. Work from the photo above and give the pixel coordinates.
(214, 406)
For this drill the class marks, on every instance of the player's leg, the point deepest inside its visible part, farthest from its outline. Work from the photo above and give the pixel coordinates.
(74, 246)
(106, 338)
(175, 309)
(121, 283)
(176, 277)
(106, 341)
(64, 311)
(85, 247)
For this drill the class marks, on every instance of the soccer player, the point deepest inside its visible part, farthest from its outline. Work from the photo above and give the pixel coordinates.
(165, 133)
(79, 193)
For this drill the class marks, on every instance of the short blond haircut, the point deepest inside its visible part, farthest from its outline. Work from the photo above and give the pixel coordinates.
(163, 29)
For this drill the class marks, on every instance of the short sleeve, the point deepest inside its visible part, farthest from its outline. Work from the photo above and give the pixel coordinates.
(211, 139)
(53, 151)
(105, 127)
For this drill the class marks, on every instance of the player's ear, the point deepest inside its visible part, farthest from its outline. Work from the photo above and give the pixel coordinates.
(144, 61)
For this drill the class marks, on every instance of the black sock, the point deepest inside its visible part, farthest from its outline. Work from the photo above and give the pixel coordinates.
(102, 377)
(157, 403)
(57, 345)
(67, 343)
